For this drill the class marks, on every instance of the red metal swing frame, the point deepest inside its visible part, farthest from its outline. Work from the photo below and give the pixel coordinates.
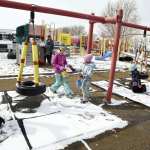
(117, 20)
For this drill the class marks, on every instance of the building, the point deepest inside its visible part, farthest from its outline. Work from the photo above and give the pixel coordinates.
(7, 36)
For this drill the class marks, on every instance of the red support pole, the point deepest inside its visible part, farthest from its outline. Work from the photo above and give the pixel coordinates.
(90, 36)
(114, 55)
(48, 10)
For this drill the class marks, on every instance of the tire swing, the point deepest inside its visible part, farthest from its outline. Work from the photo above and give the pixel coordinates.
(126, 58)
(30, 88)
(141, 52)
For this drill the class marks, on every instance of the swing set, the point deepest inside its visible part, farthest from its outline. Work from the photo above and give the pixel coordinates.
(141, 57)
(117, 20)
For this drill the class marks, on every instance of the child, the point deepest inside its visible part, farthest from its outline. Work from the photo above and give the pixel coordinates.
(49, 46)
(61, 78)
(87, 72)
(136, 85)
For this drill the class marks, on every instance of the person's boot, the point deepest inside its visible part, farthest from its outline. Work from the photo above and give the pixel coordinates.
(53, 91)
(70, 96)
(83, 101)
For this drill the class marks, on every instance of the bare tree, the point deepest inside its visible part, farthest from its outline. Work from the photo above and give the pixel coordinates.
(74, 30)
(129, 15)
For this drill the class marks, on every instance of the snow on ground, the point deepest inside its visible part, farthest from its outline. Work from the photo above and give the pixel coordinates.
(142, 98)
(59, 122)
(100, 65)
(9, 66)
(12, 137)
(117, 102)
(56, 123)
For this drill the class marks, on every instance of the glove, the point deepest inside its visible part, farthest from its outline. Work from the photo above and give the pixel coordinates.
(61, 68)
(71, 68)
(64, 74)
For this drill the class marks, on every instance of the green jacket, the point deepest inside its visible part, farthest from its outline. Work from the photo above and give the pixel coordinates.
(49, 45)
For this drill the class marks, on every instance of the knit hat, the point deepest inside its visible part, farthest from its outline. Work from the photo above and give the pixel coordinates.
(88, 58)
(133, 67)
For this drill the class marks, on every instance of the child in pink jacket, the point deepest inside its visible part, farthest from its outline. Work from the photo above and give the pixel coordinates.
(59, 64)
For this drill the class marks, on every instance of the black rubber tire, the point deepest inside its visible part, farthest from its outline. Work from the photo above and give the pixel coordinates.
(28, 88)
(126, 58)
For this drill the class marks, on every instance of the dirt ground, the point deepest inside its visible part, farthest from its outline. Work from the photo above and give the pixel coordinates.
(136, 136)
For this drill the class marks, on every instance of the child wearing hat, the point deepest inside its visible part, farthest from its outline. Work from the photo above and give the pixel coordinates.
(87, 71)
(136, 85)
(61, 78)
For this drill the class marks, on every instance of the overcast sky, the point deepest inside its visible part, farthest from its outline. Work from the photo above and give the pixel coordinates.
(11, 18)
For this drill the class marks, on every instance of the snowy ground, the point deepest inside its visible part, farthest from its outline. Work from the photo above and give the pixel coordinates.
(9, 66)
(142, 98)
(55, 123)
(100, 65)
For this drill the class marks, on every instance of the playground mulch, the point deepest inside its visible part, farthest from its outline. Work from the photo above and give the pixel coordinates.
(136, 136)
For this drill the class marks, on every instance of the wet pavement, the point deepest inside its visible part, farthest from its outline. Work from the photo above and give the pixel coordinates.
(136, 136)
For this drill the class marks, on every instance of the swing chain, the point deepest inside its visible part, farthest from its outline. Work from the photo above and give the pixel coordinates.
(32, 17)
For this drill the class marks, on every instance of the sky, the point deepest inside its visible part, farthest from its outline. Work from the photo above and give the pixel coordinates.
(11, 18)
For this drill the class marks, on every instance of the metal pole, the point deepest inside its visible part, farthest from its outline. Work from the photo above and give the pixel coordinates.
(90, 36)
(136, 26)
(48, 10)
(114, 55)
(54, 33)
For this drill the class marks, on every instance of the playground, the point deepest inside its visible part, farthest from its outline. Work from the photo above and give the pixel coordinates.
(136, 114)
(114, 118)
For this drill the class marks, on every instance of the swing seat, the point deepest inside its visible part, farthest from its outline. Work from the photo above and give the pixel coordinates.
(143, 75)
(28, 88)
(125, 58)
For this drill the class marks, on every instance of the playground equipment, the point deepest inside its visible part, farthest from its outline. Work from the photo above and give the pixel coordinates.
(124, 46)
(105, 56)
(117, 20)
(83, 44)
(30, 88)
(64, 38)
(141, 57)
(104, 44)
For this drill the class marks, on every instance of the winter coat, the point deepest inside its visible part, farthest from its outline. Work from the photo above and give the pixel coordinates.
(49, 45)
(135, 78)
(59, 62)
(87, 70)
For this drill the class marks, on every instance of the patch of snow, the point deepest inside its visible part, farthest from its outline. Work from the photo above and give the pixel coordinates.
(72, 122)
(117, 102)
(125, 92)
(9, 66)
